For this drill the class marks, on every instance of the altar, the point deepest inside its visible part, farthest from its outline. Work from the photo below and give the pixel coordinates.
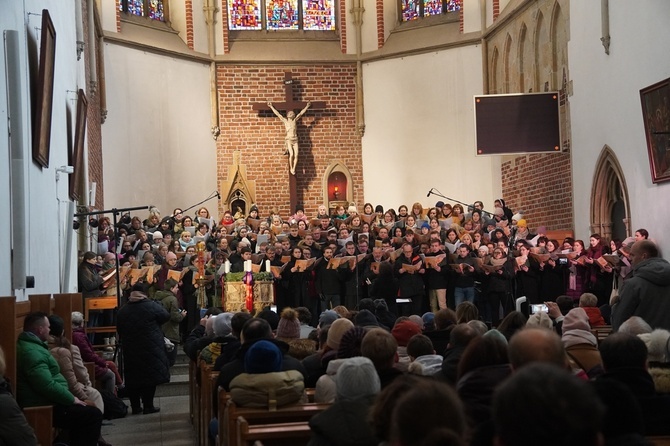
(235, 295)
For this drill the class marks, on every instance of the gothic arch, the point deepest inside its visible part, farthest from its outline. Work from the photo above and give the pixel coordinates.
(609, 196)
(538, 48)
(521, 56)
(494, 72)
(556, 31)
(337, 166)
(507, 50)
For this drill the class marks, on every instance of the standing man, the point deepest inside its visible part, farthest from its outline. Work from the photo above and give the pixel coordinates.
(647, 293)
(291, 139)
(409, 282)
(40, 383)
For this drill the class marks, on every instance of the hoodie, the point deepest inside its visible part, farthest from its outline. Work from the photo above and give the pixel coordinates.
(426, 365)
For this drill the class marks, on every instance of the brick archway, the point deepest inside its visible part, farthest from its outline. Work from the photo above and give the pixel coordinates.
(609, 190)
(337, 166)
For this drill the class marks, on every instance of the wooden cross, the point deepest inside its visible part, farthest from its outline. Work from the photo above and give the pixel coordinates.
(289, 104)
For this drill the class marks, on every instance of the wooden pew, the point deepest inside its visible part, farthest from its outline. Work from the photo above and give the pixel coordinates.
(208, 378)
(253, 416)
(659, 440)
(278, 434)
(601, 332)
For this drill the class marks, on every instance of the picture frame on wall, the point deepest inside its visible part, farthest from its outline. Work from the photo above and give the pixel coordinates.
(44, 93)
(77, 160)
(656, 113)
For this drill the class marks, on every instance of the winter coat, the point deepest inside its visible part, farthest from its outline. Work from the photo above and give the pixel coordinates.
(139, 326)
(646, 294)
(89, 281)
(71, 372)
(80, 339)
(14, 428)
(476, 390)
(39, 381)
(170, 303)
(426, 365)
(269, 390)
(343, 423)
(326, 389)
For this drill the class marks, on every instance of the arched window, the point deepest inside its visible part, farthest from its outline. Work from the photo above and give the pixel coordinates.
(275, 15)
(153, 9)
(415, 9)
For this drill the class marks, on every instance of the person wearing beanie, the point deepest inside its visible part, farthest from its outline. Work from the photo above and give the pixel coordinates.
(168, 298)
(385, 317)
(288, 330)
(346, 420)
(403, 331)
(328, 317)
(428, 321)
(581, 346)
(366, 319)
(336, 331)
(540, 320)
(222, 336)
(253, 331)
(263, 383)
(350, 346)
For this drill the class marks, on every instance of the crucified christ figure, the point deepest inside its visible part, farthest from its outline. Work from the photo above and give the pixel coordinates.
(291, 139)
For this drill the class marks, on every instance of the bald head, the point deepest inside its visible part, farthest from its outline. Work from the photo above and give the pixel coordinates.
(536, 345)
(643, 250)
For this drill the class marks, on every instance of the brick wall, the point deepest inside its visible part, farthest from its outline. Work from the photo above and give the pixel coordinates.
(380, 23)
(343, 26)
(324, 135)
(540, 186)
(93, 122)
(188, 6)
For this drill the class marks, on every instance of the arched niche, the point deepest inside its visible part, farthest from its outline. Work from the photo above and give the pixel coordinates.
(610, 205)
(337, 174)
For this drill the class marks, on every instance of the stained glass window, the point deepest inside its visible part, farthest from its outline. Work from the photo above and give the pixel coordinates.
(410, 10)
(152, 9)
(432, 7)
(282, 14)
(453, 5)
(244, 14)
(319, 15)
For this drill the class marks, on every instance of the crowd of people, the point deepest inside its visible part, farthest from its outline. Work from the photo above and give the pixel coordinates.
(388, 315)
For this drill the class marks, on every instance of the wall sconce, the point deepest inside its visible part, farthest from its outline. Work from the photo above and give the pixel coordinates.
(337, 186)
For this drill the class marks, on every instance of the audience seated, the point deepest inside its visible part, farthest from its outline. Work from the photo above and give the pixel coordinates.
(382, 349)
(105, 377)
(536, 345)
(424, 361)
(40, 383)
(588, 302)
(624, 359)
(14, 428)
(345, 422)
(580, 344)
(402, 332)
(658, 346)
(461, 336)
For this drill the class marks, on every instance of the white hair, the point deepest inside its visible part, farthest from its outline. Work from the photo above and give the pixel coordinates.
(77, 319)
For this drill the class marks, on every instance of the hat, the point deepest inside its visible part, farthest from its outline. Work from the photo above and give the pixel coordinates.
(263, 357)
(483, 248)
(489, 222)
(253, 208)
(366, 304)
(222, 324)
(493, 333)
(439, 204)
(356, 379)
(521, 223)
(657, 345)
(209, 325)
(380, 304)
(576, 319)
(157, 234)
(336, 331)
(169, 284)
(541, 320)
(428, 321)
(365, 318)
(425, 225)
(328, 317)
(350, 344)
(403, 332)
(499, 212)
(271, 317)
(56, 325)
(289, 325)
(418, 320)
(518, 216)
(171, 256)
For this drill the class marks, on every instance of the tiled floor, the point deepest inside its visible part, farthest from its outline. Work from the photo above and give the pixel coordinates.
(169, 427)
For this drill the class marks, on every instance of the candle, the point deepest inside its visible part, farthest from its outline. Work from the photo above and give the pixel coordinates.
(226, 267)
(247, 265)
(267, 266)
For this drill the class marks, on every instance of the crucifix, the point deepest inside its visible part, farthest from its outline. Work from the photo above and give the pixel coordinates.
(290, 123)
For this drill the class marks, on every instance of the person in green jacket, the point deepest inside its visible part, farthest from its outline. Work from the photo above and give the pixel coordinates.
(168, 298)
(40, 383)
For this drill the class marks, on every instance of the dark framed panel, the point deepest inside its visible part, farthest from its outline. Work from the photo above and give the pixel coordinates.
(517, 123)
(44, 94)
(656, 113)
(78, 146)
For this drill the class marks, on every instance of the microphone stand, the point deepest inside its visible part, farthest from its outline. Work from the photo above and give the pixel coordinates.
(434, 191)
(212, 195)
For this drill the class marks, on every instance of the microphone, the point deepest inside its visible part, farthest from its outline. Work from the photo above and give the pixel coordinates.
(429, 192)
(218, 195)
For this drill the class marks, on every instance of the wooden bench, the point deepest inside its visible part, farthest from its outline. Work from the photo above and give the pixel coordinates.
(663, 440)
(276, 434)
(601, 332)
(12, 315)
(228, 432)
(208, 378)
